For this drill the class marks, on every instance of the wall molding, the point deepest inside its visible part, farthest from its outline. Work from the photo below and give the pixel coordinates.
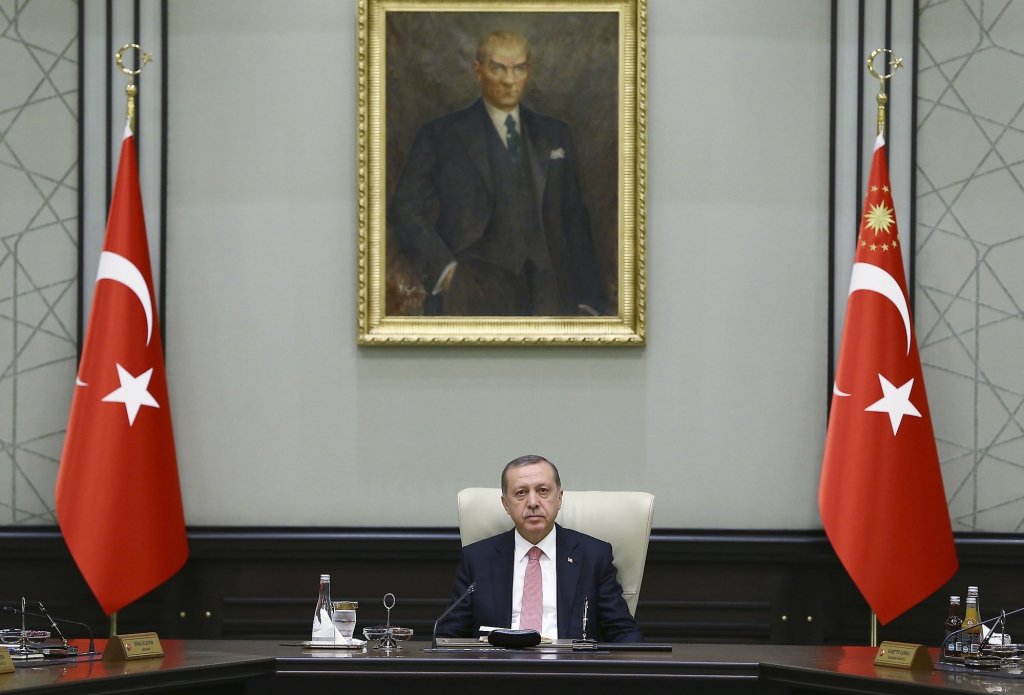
(738, 586)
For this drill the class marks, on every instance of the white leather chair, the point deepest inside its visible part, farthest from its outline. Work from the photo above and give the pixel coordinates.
(620, 518)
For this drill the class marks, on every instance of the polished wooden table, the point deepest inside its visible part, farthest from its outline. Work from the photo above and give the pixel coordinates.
(264, 667)
(185, 666)
(852, 670)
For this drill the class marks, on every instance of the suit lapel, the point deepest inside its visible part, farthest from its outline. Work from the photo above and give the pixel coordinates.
(568, 577)
(473, 135)
(540, 154)
(502, 562)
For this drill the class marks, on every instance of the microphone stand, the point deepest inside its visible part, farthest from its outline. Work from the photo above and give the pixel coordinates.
(54, 621)
(471, 589)
(53, 624)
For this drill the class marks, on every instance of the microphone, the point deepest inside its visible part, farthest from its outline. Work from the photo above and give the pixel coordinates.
(471, 589)
(42, 609)
(586, 605)
(15, 611)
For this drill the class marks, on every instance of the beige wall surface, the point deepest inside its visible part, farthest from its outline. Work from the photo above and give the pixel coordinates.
(281, 419)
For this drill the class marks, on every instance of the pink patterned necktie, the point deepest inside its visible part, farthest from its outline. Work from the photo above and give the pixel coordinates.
(532, 615)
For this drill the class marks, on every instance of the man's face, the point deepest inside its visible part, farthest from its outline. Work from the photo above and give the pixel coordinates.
(504, 74)
(532, 500)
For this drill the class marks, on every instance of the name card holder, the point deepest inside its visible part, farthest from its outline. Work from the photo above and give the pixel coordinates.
(904, 655)
(141, 645)
(6, 663)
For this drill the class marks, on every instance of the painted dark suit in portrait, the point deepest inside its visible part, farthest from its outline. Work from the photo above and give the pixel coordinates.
(489, 212)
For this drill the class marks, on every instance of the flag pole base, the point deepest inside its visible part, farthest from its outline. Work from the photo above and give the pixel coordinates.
(113, 623)
(874, 629)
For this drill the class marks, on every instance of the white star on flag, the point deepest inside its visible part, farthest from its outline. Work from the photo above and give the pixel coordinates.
(133, 392)
(895, 401)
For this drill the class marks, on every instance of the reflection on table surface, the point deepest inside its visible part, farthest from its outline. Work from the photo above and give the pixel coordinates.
(797, 666)
(178, 655)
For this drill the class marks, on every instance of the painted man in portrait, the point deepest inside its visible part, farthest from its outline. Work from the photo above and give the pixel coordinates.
(489, 211)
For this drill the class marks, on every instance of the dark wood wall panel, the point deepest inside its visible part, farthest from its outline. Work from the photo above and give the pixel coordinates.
(701, 586)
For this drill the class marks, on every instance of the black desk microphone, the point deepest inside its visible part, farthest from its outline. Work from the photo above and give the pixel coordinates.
(471, 589)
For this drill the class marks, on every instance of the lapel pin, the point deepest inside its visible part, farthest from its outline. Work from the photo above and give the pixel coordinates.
(570, 559)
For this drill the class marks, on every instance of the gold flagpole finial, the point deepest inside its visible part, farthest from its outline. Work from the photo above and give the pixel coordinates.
(131, 90)
(895, 64)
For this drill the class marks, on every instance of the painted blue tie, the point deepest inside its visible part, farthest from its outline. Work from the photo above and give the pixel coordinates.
(513, 138)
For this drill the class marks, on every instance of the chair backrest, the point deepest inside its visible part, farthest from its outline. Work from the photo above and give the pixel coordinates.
(620, 518)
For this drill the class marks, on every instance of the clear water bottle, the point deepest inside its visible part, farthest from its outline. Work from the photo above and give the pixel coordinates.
(323, 619)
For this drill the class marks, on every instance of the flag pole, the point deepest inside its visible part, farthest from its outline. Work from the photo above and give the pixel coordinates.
(131, 90)
(882, 100)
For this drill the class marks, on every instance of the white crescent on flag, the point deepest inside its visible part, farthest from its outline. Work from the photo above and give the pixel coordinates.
(869, 277)
(120, 269)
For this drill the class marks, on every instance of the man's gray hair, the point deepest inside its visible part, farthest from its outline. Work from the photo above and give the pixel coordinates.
(526, 461)
(483, 47)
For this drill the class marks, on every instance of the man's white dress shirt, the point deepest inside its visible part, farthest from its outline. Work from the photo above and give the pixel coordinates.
(498, 117)
(549, 579)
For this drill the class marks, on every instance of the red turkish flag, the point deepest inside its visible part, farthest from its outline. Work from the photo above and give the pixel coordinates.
(881, 497)
(118, 498)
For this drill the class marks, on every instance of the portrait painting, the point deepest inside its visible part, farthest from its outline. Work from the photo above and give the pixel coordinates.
(501, 172)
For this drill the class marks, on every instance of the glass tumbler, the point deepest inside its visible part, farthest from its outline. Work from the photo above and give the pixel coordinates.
(344, 620)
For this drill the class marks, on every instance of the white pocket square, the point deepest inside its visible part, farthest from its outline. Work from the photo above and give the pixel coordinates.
(558, 154)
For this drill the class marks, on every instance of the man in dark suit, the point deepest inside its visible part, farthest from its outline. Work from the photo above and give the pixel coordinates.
(539, 575)
(489, 211)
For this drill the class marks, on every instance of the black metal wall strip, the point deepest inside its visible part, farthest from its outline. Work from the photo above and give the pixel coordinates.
(885, 86)
(912, 280)
(860, 112)
(832, 142)
(108, 55)
(136, 38)
(80, 277)
(164, 56)
(45, 540)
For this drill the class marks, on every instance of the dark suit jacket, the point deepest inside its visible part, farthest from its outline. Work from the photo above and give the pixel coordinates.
(445, 198)
(590, 575)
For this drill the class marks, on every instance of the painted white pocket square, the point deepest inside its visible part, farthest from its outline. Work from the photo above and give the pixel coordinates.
(558, 154)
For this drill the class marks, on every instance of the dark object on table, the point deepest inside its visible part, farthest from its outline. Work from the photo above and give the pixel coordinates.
(514, 639)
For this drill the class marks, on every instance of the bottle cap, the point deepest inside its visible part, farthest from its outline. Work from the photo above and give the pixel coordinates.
(346, 605)
(325, 577)
(954, 599)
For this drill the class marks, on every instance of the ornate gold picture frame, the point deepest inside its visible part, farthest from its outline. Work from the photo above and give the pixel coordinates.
(502, 172)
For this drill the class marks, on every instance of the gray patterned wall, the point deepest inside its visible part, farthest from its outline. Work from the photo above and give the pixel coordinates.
(38, 249)
(970, 252)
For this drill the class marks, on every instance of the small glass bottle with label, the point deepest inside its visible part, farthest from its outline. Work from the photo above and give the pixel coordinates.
(323, 619)
(952, 644)
(971, 636)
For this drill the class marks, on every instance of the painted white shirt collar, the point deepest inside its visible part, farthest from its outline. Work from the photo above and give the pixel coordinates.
(498, 118)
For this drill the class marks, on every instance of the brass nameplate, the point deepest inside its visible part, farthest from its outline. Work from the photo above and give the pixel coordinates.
(6, 664)
(142, 645)
(903, 655)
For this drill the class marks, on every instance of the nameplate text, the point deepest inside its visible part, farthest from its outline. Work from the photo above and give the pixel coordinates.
(903, 655)
(142, 645)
